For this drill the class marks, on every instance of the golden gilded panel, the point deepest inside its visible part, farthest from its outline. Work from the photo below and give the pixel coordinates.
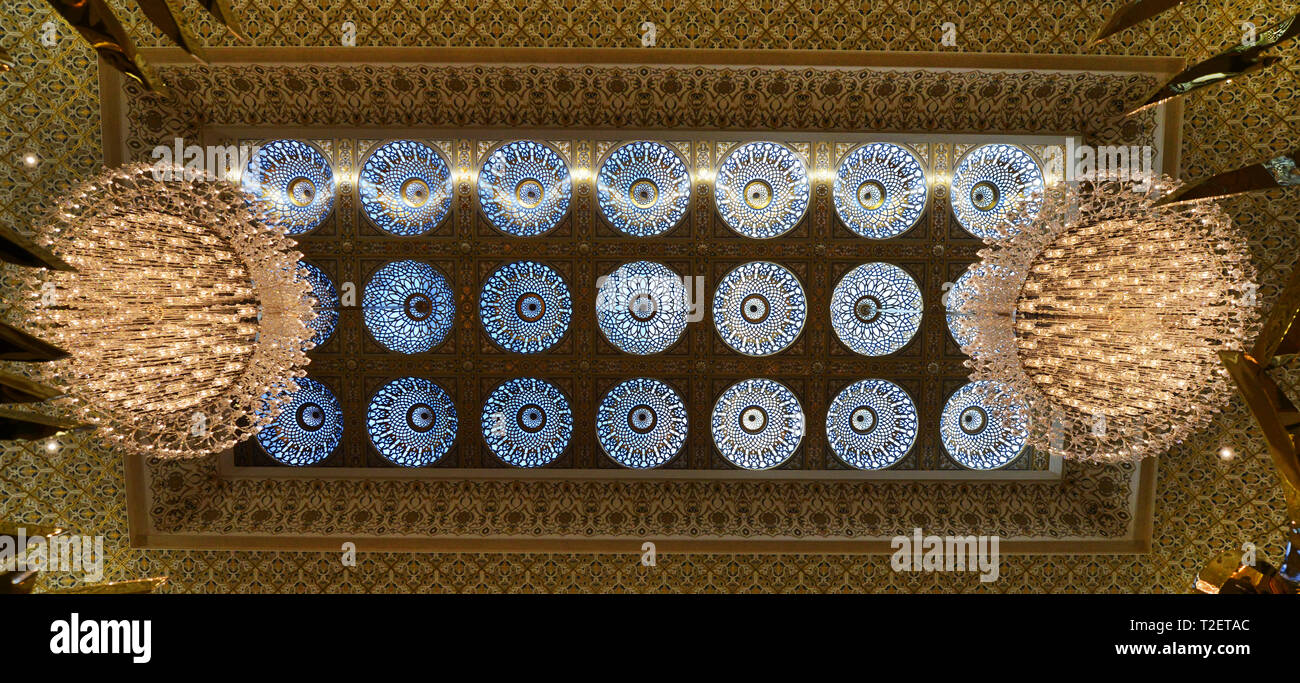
(1203, 504)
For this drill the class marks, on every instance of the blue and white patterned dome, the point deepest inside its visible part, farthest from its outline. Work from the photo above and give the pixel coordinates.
(961, 324)
(525, 307)
(293, 181)
(989, 182)
(405, 187)
(326, 304)
(308, 428)
(759, 308)
(524, 188)
(527, 422)
(643, 188)
(762, 189)
(876, 309)
(871, 424)
(412, 422)
(641, 307)
(979, 436)
(409, 306)
(641, 423)
(880, 190)
(757, 424)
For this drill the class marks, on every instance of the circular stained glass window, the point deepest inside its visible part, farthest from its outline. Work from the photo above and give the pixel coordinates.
(757, 424)
(643, 188)
(527, 422)
(524, 188)
(872, 424)
(762, 189)
(412, 422)
(960, 322)
(405, 187)
(641, 423)
(989, 183)
(978, 435)
(641, 307)
(326, 303)
(308, 428)
(759, 308)
(525, 307)
(876, 309)
(409, 307)
(293, 181)
(880, 190)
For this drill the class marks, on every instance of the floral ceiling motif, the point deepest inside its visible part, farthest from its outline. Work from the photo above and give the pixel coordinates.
(51, 103)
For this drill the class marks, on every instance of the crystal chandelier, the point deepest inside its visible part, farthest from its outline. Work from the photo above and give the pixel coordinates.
(1105, 315)
(186, 320)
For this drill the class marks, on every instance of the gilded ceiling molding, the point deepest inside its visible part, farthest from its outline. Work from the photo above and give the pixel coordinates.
(184, 505)
(64, 494)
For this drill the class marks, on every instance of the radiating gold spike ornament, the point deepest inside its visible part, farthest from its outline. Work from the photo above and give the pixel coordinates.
(1132, 14)
(18, 250)
(173, 24)
(1220, 69)
(128, 587)
(95, 22)
(18, 345)
(220, 9)
(1278, 172)
(23, 425)
(1239, 60)
(187, 316)
(1105, 315)
(19, 389)
(22, 578)
(1274, 411)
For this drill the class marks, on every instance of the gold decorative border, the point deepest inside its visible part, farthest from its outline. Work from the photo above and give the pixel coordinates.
(182, 505)
(143, 534)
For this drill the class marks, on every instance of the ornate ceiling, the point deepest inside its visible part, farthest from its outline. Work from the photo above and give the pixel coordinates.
(1201, 504)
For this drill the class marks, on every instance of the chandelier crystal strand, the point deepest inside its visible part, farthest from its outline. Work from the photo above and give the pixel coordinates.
(187, 318)
(1105, 314)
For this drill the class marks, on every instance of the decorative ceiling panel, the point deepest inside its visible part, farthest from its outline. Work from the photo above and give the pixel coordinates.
(930, 109)
(468, 253)
(1203, 505)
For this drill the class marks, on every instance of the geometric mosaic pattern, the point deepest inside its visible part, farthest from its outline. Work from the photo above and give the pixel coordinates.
(1203, 505)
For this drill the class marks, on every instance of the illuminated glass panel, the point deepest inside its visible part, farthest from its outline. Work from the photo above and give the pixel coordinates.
(409, 306)
(876, 309)
(641, 307)
(525, 307)
(405, 187)
(527, 422)
(759, 308)
(880, 190)
(989, 183)
(412, 422)
(293, 181)
(524, 188)
(762, 189)
(326, 303)
(308, 428)
(977, 435)
(643, 188)
(757, 424)
(871, 424)
(641, 423)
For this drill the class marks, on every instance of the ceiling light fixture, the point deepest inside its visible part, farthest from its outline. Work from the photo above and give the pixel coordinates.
(1105, 315)
(186, 319)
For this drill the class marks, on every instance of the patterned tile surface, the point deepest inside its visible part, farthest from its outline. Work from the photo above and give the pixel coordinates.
(1204, 505)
